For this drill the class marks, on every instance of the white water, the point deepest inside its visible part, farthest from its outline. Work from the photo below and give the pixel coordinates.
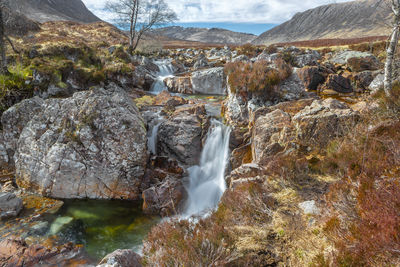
(207, 181)
(153, 138)
(166, 70)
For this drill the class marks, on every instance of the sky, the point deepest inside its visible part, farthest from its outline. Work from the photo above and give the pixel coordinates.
(253, 16)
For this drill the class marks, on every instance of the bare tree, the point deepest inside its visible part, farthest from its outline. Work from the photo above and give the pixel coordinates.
(141, 16)
(391, 50)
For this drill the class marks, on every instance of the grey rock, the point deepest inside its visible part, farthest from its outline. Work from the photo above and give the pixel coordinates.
(14, 120)
(377, 83)
(343, 57)
(211, 81)
(92, 145)
(309, 207)
(10, 205)
(310, 58)
(181, 138)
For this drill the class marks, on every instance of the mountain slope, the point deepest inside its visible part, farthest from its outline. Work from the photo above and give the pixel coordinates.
(213, 35)
(54, 10)
(354, 19)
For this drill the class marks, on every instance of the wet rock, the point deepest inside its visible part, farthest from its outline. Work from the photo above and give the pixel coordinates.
(15, 119)
(17, 253)
(311, 77)
(164, 198)
(317, 124)
(166, 99)
(180, 137)
(10, 205)
(121, 258)
(210, 82)
(337, 83)
(77, 147)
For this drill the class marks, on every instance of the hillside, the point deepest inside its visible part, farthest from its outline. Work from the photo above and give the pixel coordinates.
(354, 19)
(54, 10)
(213, 35)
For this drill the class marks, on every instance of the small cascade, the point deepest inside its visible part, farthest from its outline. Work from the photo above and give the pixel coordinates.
(207, 180)
(152, 139)
(166, 70)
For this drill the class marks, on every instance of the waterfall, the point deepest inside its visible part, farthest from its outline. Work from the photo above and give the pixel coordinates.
(152, 139)
(207, 180)
(166, 70)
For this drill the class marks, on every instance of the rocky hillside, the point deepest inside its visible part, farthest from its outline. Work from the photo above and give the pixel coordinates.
(354, 19)
(205, 35)
(54, 10)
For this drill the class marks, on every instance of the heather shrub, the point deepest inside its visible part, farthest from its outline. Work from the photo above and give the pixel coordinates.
(256, 78)
(249, 50)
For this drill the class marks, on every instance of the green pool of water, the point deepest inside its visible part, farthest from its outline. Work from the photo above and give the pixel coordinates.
(101, 226)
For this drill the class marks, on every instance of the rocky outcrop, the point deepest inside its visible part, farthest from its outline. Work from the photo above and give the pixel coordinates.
(77, 147)
(311, 77)
(179, 84)
(283, 128)
(121, 258)
(10, 205)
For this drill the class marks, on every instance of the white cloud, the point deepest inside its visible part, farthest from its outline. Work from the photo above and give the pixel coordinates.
(260, 11)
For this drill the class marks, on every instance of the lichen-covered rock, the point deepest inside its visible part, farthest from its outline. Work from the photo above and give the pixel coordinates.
(308, 58)
(10, 205)
(377, 83)
(268, 136)
(179, 84)
(164, 198)
(357, 64)
(209, 82)
(15, 119)
(317, 124)
(92, 145)
(343, 57)
(121, 258)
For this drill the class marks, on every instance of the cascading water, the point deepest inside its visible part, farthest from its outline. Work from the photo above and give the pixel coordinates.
(207, 180)
(166, 70)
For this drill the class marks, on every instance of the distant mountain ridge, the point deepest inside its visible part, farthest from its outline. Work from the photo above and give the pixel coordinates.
(54, 10)
(205, 35)
(360, 18)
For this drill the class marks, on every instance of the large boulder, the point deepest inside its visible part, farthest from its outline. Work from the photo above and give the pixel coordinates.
(121, 258)
(180, 137)
(337, 83)
(343, 57)
(308, 58)
(179, 84)
(10, 205)
(15, 119)
(311, 77)
(92, 145)
(209, 82)
(322, 121)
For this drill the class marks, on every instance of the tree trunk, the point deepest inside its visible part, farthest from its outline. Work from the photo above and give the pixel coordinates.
(391, 50)
(3, 65)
